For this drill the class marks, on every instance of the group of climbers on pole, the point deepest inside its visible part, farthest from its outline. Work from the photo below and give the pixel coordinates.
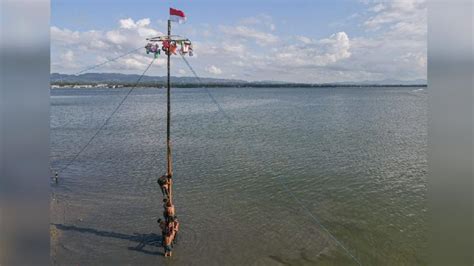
(170, 225)
(169, 44)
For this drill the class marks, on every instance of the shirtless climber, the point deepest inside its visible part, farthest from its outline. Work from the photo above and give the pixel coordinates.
(162, 225)
(169, 210)
(167, 241)
(161, 182)
(175, 224)
(165, 183)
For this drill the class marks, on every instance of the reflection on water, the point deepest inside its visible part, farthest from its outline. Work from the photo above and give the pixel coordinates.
(355, 158)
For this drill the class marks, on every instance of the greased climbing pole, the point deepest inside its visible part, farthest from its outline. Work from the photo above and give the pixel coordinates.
(169, 163)
(169, 45)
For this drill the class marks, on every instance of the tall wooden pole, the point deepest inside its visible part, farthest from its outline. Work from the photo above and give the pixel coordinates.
(168, 117)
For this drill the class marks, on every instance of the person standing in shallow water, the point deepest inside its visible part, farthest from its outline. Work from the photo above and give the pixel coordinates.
(175, 224)
(168, 228)
(162, 225)
(167, 241)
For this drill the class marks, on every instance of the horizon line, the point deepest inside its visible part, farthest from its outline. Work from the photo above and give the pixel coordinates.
(364, 82)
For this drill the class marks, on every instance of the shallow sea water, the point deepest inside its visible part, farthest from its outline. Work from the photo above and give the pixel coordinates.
(249, 190)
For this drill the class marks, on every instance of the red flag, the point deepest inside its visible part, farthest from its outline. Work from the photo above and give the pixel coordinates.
(177, 15)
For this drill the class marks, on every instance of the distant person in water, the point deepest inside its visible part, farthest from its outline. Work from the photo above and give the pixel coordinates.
(56, 177)
(165, 185)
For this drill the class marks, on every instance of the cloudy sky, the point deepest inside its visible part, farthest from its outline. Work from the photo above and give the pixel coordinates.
(278, 40)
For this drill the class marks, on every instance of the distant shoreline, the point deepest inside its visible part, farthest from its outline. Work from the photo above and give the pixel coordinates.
(56, 85)
(114, 80)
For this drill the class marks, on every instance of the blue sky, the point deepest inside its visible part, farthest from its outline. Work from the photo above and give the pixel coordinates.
(287, 40)
(298, 17)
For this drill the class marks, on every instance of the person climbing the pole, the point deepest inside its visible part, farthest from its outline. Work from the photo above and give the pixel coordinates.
(175, 224)
(165, 213)
(170, 229)
(169, 211)
(164, 183)
(162, 225)
(167, 186)
(165, 201)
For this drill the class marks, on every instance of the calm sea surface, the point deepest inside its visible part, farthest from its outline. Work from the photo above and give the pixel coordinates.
(293, 176)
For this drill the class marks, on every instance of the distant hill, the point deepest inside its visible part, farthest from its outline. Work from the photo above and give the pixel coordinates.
(128, 79)
(117, 78)
(386, 82)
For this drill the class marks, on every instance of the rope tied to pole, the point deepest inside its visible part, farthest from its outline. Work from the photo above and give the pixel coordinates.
(108, 61)
(207, 90)
(108, 119)
(302, 206)
(314, 218)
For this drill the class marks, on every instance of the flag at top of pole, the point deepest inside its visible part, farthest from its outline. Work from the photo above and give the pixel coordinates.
(177, 15)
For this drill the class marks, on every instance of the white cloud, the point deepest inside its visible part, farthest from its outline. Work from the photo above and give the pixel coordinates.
(129, 34)
(68, 59)
(98, 46)
(234, 48)
(315, 53)
(68, 56)
(129, 23)
(260, 37)
(398, 48)
(214, 70)
(143, 22)
(394, 46)
(63, 36)
(262, 20)
(135, 62)
(377, 7)
(239, 63)
(147, 32)
(338, 46)
(388, 13)
(142, 26)
(115, 37)
(132, 63)
(304, 39)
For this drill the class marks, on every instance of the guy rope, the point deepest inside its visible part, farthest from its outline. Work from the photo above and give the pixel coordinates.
(172, 45)
(169, 45)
